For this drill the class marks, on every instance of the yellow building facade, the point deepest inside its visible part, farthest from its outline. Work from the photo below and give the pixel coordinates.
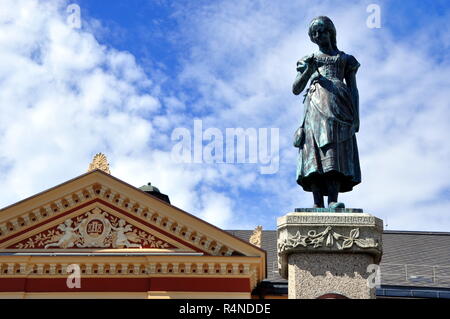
(96, 236)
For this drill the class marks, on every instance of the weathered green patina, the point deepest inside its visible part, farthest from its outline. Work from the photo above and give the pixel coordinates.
(328, 159)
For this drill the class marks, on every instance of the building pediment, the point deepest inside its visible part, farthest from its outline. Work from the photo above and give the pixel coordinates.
(97, 228)
(96, 212)
(123, 240)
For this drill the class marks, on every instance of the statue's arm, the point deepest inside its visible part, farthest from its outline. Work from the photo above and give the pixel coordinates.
(350, 80)
(305, 68)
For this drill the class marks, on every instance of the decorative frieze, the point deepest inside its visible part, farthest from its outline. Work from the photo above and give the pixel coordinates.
(235, 268)
(81, 198)
(112, 269)
(124, 268)
(206, 243)
(10, 268)
(138, 211)
(158, 220)
(37, 214)
(3, 229)
(40, 269)
(94, 229)
(246, 269)
(164, 267)
(187, 234)
(91, 192)
(211, 268)
(177, 229)
(59, 205)
(197, 239)
(15, 223)
(229, 252)
(119, 200)
(52, 269)
(151, 269)
(26, 219)
(88, 269)
(218, 248)
(167, 224)
(102, 190)
(223, 268)
(100, 269)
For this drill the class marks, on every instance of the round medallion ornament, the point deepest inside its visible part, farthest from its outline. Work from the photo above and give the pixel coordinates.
(95, 228)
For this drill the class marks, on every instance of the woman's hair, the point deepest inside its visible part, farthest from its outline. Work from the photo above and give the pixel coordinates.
(329, 26)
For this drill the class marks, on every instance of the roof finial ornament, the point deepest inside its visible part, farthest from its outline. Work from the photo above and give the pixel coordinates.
(255, 238)
(99, 162)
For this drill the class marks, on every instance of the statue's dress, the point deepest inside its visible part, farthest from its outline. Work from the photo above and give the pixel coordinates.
(328, 148)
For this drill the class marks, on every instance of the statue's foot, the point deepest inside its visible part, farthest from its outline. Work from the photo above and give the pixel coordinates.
(335, 205)
(317, 206)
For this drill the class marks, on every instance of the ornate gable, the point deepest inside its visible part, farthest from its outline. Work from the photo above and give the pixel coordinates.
(123, 240)
(96, 228)
(97, 211)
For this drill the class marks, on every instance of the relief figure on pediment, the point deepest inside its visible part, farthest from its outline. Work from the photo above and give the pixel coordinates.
(68, 238)
(94, 229)
(120, 236)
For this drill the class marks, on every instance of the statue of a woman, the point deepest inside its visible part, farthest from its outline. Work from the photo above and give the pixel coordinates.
(328, 162)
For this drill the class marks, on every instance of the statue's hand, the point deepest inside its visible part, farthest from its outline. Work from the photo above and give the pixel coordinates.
(311, 65)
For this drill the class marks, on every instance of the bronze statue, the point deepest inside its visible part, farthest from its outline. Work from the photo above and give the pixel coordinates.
(328, 162)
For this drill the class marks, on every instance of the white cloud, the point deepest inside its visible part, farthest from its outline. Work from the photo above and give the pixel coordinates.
(64, 97)
(217, 209)
(243, 63)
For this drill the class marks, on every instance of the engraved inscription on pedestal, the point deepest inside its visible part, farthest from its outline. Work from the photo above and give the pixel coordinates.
(330, 218)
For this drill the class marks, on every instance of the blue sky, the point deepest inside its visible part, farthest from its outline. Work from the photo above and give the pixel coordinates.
(137, 70)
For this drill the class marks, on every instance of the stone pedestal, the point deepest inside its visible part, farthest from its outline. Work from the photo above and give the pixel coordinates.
(325, 253)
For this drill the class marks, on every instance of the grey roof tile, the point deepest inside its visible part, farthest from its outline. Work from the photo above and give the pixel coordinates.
(419, 259)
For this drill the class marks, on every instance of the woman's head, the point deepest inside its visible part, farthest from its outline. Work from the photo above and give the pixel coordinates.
(322, 29)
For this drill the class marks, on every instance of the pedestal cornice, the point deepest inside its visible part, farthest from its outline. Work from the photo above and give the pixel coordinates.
(328, 232)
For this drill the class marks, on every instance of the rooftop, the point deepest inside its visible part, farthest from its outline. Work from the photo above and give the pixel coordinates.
(410, 258)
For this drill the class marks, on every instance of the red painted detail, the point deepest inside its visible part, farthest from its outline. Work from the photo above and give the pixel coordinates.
(87, 285)
(126, 284)
(200, 284)
(12, 284)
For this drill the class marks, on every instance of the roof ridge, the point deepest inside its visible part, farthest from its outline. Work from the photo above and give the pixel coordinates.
(412, 232)
(402, 232)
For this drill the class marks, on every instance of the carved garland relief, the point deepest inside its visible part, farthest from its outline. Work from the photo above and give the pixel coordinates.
(327, 238)
(94, 229)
